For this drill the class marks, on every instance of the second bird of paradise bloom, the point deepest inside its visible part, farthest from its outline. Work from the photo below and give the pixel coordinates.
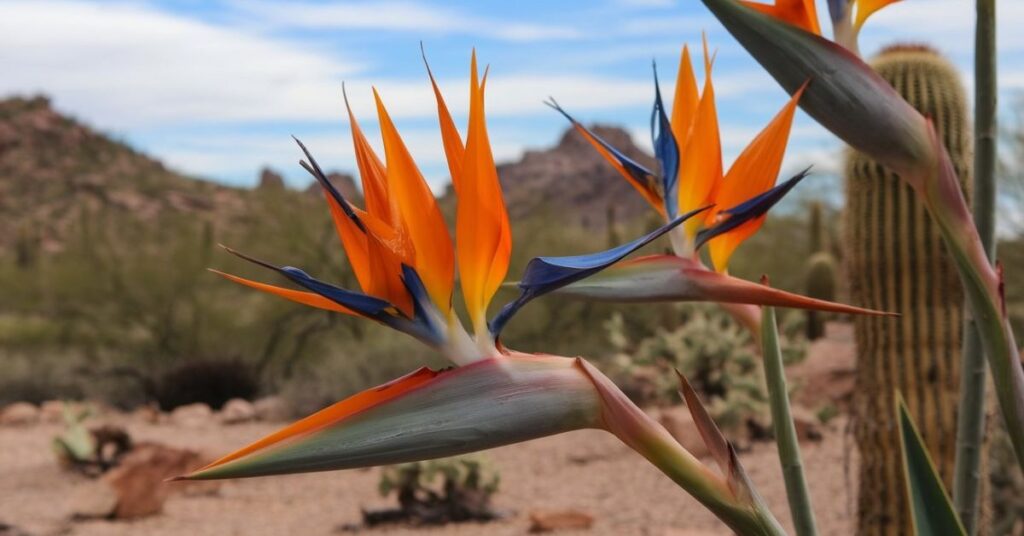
(406, 264)
(690, 174)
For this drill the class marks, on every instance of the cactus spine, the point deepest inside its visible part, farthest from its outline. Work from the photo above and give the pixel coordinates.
(898, 262)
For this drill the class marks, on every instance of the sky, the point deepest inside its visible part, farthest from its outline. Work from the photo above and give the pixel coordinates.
(216, 88)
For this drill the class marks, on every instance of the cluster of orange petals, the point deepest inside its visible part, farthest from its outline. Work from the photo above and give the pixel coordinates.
(403, 225)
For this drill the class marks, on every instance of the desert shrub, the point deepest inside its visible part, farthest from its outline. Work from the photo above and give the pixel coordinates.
(210, 382)
(438, 491)
(716, 355)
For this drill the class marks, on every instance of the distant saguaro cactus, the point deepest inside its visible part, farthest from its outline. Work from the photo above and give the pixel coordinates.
(821, 284)
(897, 262)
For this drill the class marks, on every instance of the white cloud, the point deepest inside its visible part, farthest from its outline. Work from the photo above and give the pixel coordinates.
(398, 16)
(122, 65)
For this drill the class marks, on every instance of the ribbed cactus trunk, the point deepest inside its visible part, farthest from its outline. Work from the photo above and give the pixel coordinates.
(897, 262)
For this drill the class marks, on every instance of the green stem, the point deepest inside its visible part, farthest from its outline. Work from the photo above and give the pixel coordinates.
(971, 414)
(785, 431)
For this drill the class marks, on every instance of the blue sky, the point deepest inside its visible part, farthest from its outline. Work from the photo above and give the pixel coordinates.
(215, 88)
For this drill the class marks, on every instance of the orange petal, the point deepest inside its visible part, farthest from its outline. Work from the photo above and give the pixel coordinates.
(371, 171)
(435, 257)
(354, 241)
(685, 102)
(865, 8)
(801, 13)
(454, 151)
(649, 188)
(482, 229)
(753, 172)
(306, 298)
(700, 165)
(376, 266)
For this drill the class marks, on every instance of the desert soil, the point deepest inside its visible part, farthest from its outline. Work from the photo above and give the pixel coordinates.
(586, 471)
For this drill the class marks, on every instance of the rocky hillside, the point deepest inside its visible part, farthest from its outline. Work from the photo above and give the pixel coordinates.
(53, 169)
(573, 180)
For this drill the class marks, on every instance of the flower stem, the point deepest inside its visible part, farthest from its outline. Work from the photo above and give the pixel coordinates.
(785, 431)
(971, 413)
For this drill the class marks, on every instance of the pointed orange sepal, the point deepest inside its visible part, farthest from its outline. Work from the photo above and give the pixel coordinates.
(306, 298)
(700, 164)
(376, 266)
(435, 257)
(685, 101)
(454, 150)
(866, 8)
(800, 13)
(482, 228)
(753, 172)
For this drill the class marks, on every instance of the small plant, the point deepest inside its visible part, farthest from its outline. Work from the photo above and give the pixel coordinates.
(90, 451)
(448, 490)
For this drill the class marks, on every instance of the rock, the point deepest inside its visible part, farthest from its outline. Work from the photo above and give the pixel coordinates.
(272, 408)
(270, 180)
(93, 500)
(236, 411)
(808, 428)
(689, 532)
(148, 413)
(679, 423)
(139, 480)
(52, 412)
(19, 414)
(194, 415)
(550, 521)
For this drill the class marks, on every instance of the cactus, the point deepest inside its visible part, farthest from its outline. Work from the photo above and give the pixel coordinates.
(821, 284)
(898, 262)
(816, 229)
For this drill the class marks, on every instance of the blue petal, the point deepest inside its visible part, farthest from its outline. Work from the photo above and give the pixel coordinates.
(373, 308)
(752, 208)
(314, 169)
(836, 8)
(546, 274)
(639, 173)
(666, 150)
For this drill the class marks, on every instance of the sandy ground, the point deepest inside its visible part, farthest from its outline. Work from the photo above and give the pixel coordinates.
(588, 471)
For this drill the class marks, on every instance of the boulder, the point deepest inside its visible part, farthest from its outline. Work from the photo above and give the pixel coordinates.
(139, 480)
(236, 411)
(19, 414)
(195, 415)
(52, 412)
(273, 409)
(551, 521)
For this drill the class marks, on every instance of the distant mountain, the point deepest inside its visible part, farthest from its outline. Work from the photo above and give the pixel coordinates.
(53, 168)
(572, 181)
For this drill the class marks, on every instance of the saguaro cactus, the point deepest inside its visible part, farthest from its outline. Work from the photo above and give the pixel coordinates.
(896, 261)
(821, 284)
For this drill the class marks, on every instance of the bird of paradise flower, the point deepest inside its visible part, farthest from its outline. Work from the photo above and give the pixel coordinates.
(405, 262)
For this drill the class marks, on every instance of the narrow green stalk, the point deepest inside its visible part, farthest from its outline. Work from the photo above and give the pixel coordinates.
(785, 431)
(971, 415)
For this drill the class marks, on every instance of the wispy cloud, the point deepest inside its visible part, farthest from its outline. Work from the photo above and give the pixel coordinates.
(399, 16)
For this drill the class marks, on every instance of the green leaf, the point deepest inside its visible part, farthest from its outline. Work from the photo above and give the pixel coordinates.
(931, 509)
